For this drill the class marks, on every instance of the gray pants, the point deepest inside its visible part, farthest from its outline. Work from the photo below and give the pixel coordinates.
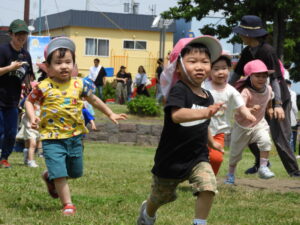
(281, 134)
(121, 93)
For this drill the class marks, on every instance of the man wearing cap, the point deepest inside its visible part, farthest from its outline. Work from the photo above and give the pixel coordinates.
(15, 64)
(253, 35)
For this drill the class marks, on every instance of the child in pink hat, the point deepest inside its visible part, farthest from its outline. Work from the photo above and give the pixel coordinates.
(257, 96)
(182, 153)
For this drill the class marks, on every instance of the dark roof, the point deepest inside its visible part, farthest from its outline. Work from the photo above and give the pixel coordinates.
(99, 20)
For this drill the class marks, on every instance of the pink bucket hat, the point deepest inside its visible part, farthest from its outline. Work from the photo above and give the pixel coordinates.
(169, 75)
(256, 66)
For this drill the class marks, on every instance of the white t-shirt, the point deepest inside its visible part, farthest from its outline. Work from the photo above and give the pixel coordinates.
(94, 72)
(232, 99)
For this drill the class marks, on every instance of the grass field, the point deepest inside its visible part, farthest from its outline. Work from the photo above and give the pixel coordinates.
(117, 179)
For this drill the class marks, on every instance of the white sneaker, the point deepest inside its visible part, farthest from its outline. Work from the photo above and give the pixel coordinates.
(265, 173)
(32, 163)
(298, 157)
(142, 220)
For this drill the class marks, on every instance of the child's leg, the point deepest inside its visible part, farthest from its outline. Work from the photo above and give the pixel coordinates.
(203, 204)
(31, 149)
(63, 190)
(204, 186)
(163, 192)
(264, 144)
(216, 157)
(239, 140)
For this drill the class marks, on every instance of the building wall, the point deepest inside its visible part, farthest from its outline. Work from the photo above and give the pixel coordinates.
(117, 55)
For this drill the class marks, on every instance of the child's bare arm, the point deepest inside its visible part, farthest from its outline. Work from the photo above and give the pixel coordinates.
(270, 110)
(245, 112)
(34, 120)
(98, 104)
(93, 125)
(182, 115)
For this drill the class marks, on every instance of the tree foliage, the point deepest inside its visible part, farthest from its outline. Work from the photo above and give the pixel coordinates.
(280, 17)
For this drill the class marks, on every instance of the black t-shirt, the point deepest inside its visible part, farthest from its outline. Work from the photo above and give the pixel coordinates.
(266, 53)
(182, 146)
(121, 75)
(159, 70)
(99, 79)
(10, 83)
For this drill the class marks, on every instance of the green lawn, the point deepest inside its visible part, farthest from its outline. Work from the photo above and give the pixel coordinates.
(117, 179)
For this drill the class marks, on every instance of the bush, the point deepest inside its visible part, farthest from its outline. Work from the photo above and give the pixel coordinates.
(109, 91)
(143, 106)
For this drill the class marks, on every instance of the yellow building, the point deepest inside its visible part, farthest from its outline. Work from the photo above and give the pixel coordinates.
(116, 39)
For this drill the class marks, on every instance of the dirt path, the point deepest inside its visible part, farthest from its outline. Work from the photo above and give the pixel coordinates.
(281, 185)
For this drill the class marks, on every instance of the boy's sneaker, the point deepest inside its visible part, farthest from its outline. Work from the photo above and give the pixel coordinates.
(265, 173)
(50, 185)
(230, 179)
(142, 220)
(69, 209)
(32, 163)
(4, 164)
(252, 170)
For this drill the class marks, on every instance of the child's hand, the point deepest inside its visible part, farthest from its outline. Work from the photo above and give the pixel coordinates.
(255, 108)
(213, 109)
(270, 113)
(115, 117)
(250, 117)
(35, 123)
(217, 146)
(93, 126)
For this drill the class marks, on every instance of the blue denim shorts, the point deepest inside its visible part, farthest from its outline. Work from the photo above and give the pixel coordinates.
(64, 157)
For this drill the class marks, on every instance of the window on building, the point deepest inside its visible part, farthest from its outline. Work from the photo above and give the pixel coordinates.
(98, 47)
(135, 45)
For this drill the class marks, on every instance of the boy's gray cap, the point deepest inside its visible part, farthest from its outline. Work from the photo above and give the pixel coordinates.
(60, 42)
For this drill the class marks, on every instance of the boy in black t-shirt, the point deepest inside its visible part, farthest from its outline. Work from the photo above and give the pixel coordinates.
(182, 153)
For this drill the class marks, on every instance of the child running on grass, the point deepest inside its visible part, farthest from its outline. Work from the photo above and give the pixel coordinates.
(61, 122)
(182, 153)
(257, 96)
(221, 91)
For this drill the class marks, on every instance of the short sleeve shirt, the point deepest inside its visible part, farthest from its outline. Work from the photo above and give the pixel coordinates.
(10, 83)
(184, 145)
(251, 98)
(61, 107)
(232, 99)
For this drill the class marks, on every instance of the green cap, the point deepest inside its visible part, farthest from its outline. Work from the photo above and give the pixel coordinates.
(18, 26)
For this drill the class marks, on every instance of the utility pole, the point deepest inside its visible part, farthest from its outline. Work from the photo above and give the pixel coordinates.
(26, 11)
(40, 17)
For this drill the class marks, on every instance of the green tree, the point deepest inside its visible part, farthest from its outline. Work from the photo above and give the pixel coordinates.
(283, 19)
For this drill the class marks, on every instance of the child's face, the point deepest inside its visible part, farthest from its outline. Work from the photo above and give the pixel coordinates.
(259, 80)
(197, 65)
(219, 72)
(61, 68)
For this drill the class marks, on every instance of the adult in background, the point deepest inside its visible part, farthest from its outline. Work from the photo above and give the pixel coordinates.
(98, 74)
(121, 89)
(294, 116)
(159, 69)
(254, 36)
(140, 81)
(15, 65)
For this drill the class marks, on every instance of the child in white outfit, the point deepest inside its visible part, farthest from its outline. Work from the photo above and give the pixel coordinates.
(221, 91)
(257, 96)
